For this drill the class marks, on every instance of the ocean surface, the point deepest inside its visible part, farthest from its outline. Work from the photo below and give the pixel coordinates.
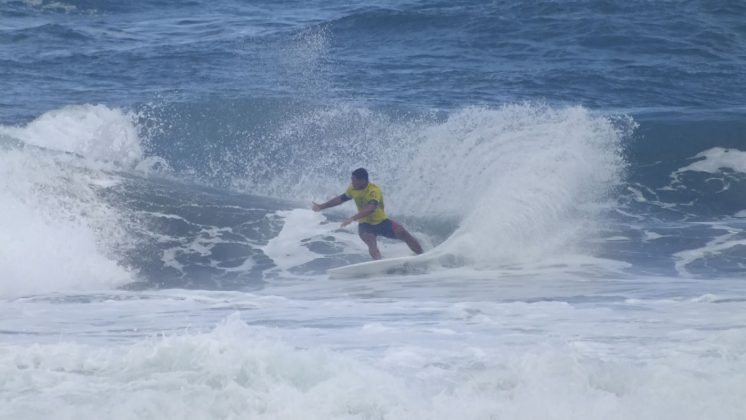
(581, 163)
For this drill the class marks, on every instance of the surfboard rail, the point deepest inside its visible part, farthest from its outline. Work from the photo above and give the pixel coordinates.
(408, 265)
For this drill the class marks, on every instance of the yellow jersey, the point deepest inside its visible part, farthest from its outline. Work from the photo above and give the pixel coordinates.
(363, 197)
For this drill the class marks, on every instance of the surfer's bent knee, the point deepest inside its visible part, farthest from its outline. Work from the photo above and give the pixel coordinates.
(367, 236)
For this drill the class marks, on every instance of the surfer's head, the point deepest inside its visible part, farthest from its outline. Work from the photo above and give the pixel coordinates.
(359, 178)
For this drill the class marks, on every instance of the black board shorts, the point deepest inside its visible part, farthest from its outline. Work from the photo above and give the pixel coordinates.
(385, 228)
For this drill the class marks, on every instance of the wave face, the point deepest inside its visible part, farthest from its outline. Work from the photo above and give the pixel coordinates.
(518, 186)
(165, 144)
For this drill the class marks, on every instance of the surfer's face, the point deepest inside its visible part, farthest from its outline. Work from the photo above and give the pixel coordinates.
(358, 183)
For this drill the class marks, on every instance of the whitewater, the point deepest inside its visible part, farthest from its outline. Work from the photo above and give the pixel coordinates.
(580, 169)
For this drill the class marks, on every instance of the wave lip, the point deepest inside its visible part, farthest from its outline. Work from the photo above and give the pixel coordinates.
(93, 131)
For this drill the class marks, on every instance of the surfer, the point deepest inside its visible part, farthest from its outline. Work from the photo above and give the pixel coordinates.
(371, 217)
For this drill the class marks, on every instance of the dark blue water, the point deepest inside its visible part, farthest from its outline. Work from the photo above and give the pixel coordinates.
(604, 55)
(280, 99)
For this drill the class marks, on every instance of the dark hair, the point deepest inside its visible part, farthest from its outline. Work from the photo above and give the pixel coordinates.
(360, 173)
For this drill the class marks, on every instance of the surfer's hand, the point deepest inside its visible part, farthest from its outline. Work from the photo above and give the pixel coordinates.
(347, 222)
(315, 207)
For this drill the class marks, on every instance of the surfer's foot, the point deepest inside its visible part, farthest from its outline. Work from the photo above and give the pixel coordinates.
(374, 253)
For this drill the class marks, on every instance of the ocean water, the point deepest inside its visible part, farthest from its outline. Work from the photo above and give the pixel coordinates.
(582, 165)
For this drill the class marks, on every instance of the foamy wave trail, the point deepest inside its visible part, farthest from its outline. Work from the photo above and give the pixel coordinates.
(528, 181)
(56, 231)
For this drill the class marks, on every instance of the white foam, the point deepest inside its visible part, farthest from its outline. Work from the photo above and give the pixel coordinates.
(528, 181)
(713, 247)
(651, 236)
(300, 225)
(638, 196)
(716, 159)
(56, 231)
(239, 371)
(94, 131)
(285, 249)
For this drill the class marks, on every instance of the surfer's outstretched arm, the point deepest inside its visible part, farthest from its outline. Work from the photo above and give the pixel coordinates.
(365, 212)
(331, 203)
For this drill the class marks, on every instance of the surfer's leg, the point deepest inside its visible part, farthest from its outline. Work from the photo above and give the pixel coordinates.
(370, 240)
(407, 237)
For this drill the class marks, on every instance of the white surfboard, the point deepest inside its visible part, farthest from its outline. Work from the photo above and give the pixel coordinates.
(413, 264)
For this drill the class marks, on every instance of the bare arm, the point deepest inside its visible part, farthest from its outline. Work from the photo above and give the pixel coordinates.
(331, 203)
(366, 211)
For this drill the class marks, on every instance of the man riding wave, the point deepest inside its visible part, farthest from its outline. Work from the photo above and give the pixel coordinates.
(371, 216)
